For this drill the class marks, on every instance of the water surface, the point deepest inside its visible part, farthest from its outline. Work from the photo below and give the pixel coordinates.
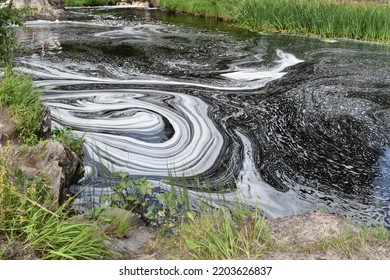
(298, 123)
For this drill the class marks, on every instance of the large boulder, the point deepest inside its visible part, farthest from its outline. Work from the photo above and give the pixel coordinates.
(37, 4)
(56, 162)
(44, 9)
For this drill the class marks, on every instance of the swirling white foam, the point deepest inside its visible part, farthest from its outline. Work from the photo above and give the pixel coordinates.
(193, 148)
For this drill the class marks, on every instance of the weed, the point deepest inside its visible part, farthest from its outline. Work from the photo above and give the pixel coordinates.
(166, 209)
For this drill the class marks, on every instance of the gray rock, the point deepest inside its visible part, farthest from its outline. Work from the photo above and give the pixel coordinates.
(57, 163)
(130, 247)
(45, 131)
(36, 4)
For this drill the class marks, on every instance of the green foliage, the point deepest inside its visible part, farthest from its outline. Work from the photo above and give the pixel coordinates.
(326, 18)
(132, 195)
(65, 136)
(19, 95)
(8, 18)
(166, 209)
(90, 2)
(26, 215)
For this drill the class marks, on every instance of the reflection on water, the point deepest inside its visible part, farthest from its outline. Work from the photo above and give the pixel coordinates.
(299, 123)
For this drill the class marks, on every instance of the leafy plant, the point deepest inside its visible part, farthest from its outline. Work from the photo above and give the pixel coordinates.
(131, 195)
(66, 136)
(166, 208)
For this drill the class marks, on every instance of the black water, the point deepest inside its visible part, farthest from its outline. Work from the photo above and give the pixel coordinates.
(300, 123)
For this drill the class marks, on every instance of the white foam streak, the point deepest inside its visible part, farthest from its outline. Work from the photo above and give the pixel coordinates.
(64, 76)
(252, 74)
(260, 194)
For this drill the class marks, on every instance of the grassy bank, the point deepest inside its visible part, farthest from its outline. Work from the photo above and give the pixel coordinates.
(358, 19)
(85, 3)
(250, 236)
(364, 20)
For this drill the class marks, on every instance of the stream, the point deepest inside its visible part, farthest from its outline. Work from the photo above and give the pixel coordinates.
(292, 123)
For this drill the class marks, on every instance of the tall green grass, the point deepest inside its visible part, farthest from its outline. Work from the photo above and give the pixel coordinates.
(326, 18)
(209, 8)
(18, 94)
(28, 216)
(319, 17)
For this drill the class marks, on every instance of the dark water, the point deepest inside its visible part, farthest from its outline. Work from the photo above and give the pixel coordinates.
(299, 123)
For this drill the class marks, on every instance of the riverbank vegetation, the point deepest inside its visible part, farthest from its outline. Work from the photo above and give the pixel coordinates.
(86, 3)
(17, 93)
(363, 20)
(250, 236)
(19, 96)
(32, 226)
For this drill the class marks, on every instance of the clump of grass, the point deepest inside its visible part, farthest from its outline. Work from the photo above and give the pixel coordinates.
(27, 215)
(19, 95)
(221, 236)
(351, 241)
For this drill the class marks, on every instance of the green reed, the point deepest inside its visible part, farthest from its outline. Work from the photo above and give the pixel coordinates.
(209, 8)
